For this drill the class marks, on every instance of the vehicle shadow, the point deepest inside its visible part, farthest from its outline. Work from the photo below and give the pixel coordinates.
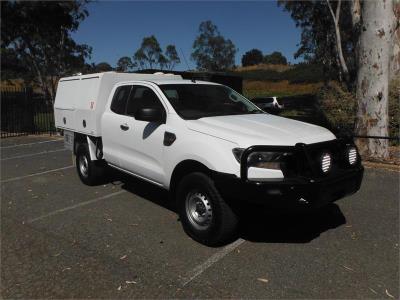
(256, 225)
(141, 188)
(273, 227)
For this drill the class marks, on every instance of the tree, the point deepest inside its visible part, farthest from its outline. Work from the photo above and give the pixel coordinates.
(149, 52)
(139, 58)
(339, 49)
(275, 58)
(252, 57)
(172, 57)
(150, 55)
(360, 35)
(102, 67)
(211, 51)
(395, 55)
(162, 61)
(11, 66)
(124, 64)
(376, 41)
(39, 36)
(329, 35)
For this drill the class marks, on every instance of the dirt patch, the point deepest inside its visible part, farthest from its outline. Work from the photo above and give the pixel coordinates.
(384, 166)
(392, 163)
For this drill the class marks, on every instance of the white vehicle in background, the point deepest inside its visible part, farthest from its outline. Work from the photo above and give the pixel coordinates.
(205, 143)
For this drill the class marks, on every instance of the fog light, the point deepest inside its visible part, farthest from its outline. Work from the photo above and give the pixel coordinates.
(326, 162)
(352, 155)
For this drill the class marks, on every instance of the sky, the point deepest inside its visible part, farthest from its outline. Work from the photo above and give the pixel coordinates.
(115, 29)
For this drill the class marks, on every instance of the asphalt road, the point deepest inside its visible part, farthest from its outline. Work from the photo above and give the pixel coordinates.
(61, 239)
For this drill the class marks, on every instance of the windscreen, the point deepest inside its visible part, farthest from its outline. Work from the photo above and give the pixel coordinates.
(194, 101)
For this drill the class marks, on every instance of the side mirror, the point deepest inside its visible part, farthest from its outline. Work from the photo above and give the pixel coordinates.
(150, 114)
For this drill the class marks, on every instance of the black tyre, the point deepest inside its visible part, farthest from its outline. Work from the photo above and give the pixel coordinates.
(204, 214)
(91, 172)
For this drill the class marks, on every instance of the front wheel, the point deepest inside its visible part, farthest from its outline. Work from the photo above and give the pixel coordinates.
(204, 214)
(91, 172)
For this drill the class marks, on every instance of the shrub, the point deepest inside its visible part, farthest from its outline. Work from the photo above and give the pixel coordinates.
(275, 58)
(304, 73)
(339, 107)
(252, 57)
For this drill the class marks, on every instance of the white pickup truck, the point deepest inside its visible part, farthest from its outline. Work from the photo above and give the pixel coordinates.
(205, 143)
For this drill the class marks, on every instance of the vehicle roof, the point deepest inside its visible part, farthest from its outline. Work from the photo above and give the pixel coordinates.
(156, 78)
(168, 81)
(183, 81)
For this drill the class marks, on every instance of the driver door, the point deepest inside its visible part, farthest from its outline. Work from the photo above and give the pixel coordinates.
(142, 141)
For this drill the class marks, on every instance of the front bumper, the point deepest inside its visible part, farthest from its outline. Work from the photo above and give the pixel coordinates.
(300, 193)
(304, 187)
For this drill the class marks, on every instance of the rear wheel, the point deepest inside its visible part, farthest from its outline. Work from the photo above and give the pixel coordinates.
(204, 214)
(91, 172)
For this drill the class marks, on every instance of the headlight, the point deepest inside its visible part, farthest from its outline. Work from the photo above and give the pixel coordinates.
(264, 160)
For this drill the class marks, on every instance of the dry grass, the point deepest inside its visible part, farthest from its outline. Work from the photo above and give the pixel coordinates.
(277, 68)
(13, 83)
(20, 84)
(253, 88)
(17, 84)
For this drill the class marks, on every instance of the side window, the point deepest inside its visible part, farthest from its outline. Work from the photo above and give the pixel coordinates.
(141, 97)
(120, 98)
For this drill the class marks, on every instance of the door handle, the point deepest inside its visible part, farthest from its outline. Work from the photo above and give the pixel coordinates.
(124, 127)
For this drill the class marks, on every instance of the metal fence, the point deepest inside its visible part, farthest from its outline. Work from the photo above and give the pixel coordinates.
(23, 112)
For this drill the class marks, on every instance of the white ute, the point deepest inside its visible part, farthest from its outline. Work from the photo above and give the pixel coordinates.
(208, 145)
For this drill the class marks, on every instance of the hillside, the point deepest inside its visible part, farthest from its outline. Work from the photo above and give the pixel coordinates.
(277, 68)
(280, 80)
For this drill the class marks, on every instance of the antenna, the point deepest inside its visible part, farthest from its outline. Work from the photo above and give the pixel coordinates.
(184, 58)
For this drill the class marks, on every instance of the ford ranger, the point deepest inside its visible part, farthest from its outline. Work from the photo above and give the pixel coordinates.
(205, 143)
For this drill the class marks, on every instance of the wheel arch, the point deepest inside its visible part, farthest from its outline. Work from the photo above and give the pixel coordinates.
(78, 140)
(94, 144)
(186, 167)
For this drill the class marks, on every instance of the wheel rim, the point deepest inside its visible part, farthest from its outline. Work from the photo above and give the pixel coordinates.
(84, 166)
(199, 210)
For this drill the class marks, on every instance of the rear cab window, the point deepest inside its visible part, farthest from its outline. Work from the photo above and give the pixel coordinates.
(120, 99)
